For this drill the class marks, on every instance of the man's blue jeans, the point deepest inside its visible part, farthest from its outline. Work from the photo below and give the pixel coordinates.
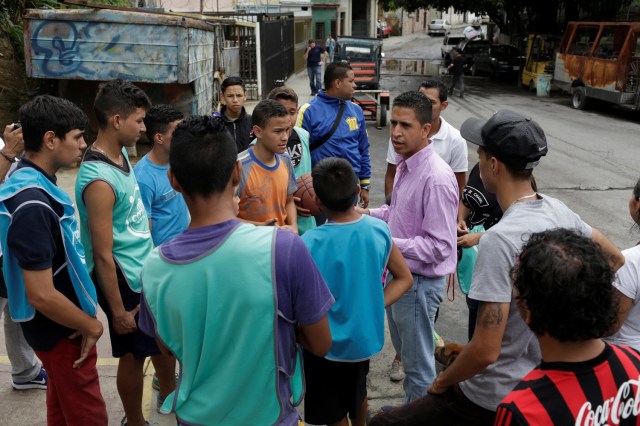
(411, 327)
(315, 78)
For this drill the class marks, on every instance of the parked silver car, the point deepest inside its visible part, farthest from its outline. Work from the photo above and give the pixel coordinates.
(439, 26)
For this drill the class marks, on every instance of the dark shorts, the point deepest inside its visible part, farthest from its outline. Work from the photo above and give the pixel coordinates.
(137, 343)
(334, 389)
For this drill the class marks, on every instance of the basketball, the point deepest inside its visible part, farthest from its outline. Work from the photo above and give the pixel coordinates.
(306, 193)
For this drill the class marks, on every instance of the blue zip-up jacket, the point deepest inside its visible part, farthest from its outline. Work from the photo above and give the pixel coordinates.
(349, 141)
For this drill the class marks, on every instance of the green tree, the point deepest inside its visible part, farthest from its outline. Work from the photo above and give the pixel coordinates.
(522, 16)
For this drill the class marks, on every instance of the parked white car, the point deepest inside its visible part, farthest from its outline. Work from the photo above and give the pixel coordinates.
(449, 42)
(439, 26)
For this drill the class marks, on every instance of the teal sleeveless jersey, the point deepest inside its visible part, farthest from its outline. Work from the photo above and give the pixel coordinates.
(131, 236)
(220, 321)
(304, 223)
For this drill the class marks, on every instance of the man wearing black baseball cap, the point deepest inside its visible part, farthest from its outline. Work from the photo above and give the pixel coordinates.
(503, 349)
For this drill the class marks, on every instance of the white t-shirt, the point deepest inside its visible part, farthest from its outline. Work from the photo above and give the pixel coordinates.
(449, 145)
(628, 283)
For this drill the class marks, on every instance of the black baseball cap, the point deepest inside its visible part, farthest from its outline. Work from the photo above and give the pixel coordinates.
(513, 138)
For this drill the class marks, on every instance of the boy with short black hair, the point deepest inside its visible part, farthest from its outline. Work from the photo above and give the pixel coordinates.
(297, 148)
(167, 212)
(233, 330)
(268, 183)
(233, 113)
(50, 291)
(116, 236)
(352, 251)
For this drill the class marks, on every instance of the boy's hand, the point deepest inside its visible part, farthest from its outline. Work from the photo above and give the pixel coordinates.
(125, 323)
(361, 210)
(289, 228)
(13, 141)
(462, 227)
(268, 222)
(299, 210)
(364, 198)
(89, 339)
(469, 240)
(436, 388)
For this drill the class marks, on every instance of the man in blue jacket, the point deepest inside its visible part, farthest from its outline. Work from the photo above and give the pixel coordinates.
(348, 139)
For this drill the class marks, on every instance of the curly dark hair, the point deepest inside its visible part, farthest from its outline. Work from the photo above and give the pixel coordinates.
(564, 281)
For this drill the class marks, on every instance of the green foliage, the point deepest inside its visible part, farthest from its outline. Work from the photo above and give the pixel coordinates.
(522, 16)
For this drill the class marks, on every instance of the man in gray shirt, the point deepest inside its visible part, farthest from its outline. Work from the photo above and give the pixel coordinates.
(502, 349)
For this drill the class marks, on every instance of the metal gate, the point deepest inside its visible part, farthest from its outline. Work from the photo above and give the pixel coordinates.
(277, 47)
(266, 48)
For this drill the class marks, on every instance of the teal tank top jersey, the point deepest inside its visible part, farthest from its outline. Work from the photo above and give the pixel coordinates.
(352, 258)
(83, 286)
(304, 223)
(131, 236)
(221, 325)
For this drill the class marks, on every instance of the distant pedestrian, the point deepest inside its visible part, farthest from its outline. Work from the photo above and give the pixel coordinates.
(456, 69)
(314, 56)
(331, 48)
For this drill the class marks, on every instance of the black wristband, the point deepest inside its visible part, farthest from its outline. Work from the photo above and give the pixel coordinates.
(9, 159)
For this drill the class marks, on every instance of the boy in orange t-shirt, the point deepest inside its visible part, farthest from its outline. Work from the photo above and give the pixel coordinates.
(268, 182)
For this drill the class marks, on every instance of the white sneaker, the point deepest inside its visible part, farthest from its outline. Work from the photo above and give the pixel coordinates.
(396, 374)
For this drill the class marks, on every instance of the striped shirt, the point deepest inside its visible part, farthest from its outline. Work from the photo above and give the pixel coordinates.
(602, 391)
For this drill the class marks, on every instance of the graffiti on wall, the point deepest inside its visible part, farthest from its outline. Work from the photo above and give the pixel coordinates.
(103, 51)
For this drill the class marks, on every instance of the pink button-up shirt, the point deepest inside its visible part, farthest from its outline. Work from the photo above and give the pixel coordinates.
(423, 213)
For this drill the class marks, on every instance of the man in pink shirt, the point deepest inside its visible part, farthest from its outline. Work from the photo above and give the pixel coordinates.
(422, 219)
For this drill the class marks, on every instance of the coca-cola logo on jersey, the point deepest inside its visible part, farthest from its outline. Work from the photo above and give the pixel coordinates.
(626, 404)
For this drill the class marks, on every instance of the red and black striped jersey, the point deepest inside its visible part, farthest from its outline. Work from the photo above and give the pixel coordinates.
(602, 391)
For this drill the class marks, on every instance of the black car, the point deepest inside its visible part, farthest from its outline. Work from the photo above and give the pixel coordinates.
(470, 48)
(498, 59)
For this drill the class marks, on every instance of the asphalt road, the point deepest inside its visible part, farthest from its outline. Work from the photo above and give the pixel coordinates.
(590, 166)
